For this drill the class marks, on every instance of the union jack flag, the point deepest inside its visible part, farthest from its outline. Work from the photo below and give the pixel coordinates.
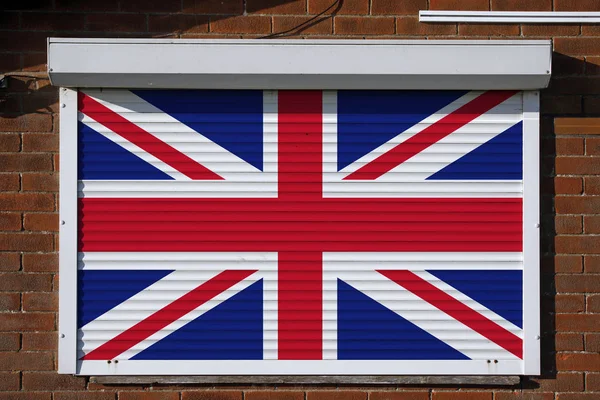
(300, 225)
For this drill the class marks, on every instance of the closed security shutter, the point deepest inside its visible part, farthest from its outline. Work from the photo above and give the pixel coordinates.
(302, 232)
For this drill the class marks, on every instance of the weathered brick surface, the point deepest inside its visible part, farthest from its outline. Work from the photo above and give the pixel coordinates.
(29, 182)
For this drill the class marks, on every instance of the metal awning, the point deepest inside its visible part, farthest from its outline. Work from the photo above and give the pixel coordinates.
(299, 64)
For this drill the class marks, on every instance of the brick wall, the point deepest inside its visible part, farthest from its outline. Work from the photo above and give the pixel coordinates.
(29, 172)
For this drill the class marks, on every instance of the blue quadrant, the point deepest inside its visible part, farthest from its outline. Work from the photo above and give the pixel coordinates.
(230, 331)
(101, 158)
(369, 118)
(367, 330)
(499, 158)
(499, 290)
(232, 119)
(101, 290)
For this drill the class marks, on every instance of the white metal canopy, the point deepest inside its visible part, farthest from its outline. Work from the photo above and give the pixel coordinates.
(294, 64)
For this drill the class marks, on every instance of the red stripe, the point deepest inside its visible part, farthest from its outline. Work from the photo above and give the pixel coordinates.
(300, 126)
(275, 225)
(457, 310)
(167, 315)
(430, 135)
(146, 141)
(300, 324)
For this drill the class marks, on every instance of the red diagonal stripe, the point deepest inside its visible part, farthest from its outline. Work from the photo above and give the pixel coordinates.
(144, 140)
(430, 135)
(167, 315)
(457, 310)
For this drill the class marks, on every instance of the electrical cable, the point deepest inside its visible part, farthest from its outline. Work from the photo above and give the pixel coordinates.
(300, 26)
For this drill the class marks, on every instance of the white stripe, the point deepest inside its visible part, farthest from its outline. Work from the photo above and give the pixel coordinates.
(189, 317)
(132, 148)
(410, 132)
(119, 100)
(430, 318)
(471, 303)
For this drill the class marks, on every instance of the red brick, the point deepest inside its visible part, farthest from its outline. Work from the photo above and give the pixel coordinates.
(245, 24)
(461, 5)
(568, 263)
(40, 222)
(26, 123)
(17, 281)
(26, 202)
(45, 21)
(562, 185)
(40, 262)
(284, 23)
(577, 204)
(10, 261)
(336, 395)
(9, 182)
(577, 46)
(26, 361)
(10, 302)
(40, 182)
(40, 341)
(9, 381)
(116, 22)
(276, 7)
(84, 396)
(26, 322)
(40, 142)
(577, 244)
(520, 5)
(363, 25)
(276, 395)
(9, 341)
(51, 381)
(578, 165)
(592, 65)
(461, 395)
(579, 5)
(35, 62)
(23, 41)
(356, 7)
(577, 126)
(411, 26)
(26, 242)
(593, 303)
(562, 382)
(25, 396)
(548, 30)
(150, 6)
(592, 264)
(148, 396)
(592, 382)
(568, 283)
(591, 224)
(10, 162)
(40, 301)
(577, 396)
(592, 146)
(523, 396)
(569, 342)
(398, 396)
(569, 146)
(10, 221)
(213, 6)
(592, 342)
(568, 224)
(394, 7)
(592, 184)
(488, 30)
(10, 62)
(10, 142)
(578, 85)
(561, 104)
(566, 303)
(212, 395)
(166, 23)
(578, 323)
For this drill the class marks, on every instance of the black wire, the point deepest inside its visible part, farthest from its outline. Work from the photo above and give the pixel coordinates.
(299, 26)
